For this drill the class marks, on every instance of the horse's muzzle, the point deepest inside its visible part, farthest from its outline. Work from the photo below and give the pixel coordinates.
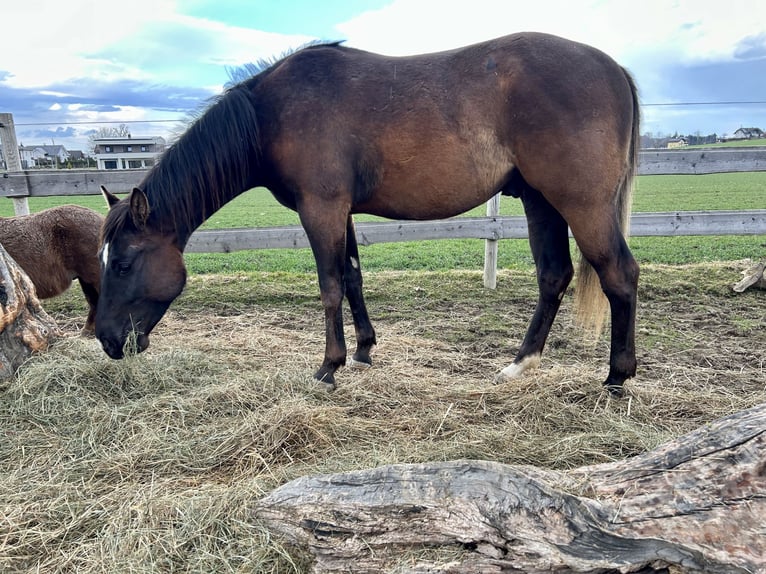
(117, 348)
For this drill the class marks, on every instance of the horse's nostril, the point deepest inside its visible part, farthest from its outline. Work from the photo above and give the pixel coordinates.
(112, 348)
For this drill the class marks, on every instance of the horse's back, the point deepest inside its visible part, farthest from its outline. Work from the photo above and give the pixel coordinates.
(502, 82)
(433, 135)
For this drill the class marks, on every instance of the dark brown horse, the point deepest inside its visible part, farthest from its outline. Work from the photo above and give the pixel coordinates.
(332, 131)
(56, 246)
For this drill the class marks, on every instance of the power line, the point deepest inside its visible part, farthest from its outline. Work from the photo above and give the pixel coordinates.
(178, 121)
(96, 122)
(754, 102)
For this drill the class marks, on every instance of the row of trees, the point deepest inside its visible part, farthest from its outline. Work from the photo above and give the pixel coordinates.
(650, 140)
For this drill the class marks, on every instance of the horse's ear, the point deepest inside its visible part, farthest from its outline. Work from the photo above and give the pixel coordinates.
(139, 207)
(111, 199)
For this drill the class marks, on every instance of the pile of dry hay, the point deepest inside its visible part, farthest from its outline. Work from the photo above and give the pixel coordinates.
(153, 463)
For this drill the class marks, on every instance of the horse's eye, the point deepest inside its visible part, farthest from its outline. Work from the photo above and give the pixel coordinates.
(123, 268)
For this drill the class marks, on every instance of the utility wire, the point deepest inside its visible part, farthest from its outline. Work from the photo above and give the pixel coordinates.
(705, 103)
(97, 122)
(651, 104)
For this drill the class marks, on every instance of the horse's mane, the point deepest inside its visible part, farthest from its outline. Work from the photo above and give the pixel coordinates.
(208, 163)
(246, 72)
(202, 170)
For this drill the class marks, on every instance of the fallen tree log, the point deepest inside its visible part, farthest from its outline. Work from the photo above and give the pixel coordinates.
(753, 277)
(25, 328)
(696, 504)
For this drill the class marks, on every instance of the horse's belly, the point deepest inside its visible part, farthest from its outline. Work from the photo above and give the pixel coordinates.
(419, 202)
(435, 194)
(441, 176)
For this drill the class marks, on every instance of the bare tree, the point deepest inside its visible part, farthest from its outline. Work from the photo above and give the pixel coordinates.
(121, 131)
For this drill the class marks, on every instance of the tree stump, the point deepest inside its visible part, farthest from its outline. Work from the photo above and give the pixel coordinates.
(696, 504)
(25, 328)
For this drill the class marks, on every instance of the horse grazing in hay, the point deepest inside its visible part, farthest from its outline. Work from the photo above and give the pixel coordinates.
(333, 131)
(55, 247)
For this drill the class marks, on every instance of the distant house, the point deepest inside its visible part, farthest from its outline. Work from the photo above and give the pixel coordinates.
(748, 134)
(42, 156)
(675, 143)
(127, 152)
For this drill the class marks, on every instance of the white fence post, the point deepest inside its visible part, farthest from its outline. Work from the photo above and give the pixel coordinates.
(12, 160)
(490, 247)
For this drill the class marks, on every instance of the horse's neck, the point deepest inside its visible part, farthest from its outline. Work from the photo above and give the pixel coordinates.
(212, 163)
(198, 203)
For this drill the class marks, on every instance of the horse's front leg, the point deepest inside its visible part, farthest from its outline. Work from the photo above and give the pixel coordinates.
(328, 243)
(335, 343)
(365, 333)
(91, 295)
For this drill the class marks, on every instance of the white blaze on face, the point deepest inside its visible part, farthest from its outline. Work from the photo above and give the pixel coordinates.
(105, 254)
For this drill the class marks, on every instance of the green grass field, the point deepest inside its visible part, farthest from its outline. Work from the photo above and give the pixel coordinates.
(733, 143)
(257, 208)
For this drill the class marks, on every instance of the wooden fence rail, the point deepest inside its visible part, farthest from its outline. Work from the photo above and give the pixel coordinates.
(37, 182)
(19, 185)
(489, 228)
(71, 182)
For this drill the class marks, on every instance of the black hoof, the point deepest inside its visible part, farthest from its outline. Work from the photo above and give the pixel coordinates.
(359, 362)
(325, 378)
(614, 384)
(615, 391)
(361, 358)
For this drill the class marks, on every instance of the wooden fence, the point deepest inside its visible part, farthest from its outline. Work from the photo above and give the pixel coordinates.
(19, 185)
(38, 182)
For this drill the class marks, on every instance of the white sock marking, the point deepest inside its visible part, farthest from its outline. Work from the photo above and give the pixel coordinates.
(515, 370)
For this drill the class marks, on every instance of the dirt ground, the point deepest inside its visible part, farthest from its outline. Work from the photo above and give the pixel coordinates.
(696, 339)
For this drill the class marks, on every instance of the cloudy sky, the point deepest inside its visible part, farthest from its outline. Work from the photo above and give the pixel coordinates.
(69, 68)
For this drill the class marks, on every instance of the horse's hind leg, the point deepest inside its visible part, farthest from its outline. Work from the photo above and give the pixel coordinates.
(91, 296)
(365, 334)
(549, 242)
(602, 243)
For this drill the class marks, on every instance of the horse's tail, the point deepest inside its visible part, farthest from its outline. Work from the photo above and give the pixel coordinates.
(590, 303)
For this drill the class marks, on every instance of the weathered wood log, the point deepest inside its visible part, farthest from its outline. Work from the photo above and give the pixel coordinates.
(753, 277)
(25, 328)
(696, 504)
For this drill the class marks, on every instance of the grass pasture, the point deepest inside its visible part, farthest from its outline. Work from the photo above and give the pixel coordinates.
(154, 463)
(257, 208)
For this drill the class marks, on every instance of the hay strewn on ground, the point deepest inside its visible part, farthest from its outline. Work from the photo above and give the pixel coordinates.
(152, 464)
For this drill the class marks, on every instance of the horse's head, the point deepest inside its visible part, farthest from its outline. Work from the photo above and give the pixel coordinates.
(142, 271)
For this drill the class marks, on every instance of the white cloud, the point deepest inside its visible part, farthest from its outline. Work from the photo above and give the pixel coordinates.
(235, 46)
(685, 30)
(52, 42)
(135, 59)
(91, 60)
(100, 40)
(654, 39)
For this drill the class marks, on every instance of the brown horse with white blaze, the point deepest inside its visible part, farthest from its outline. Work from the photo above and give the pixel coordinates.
(333, 131)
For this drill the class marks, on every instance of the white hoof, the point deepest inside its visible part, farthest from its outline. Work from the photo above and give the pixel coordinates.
(515, 370)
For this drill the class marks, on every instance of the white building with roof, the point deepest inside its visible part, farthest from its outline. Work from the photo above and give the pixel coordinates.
(129, 152)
